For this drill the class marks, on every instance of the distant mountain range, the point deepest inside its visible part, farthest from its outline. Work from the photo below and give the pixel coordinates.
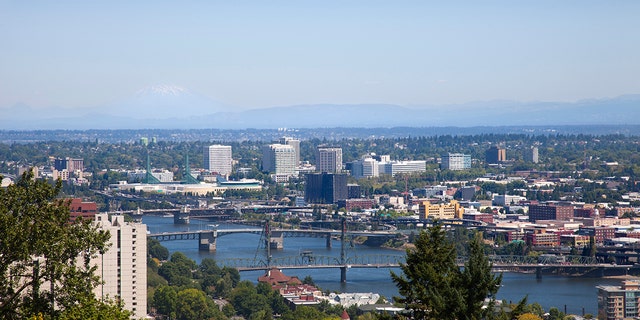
(168, 107)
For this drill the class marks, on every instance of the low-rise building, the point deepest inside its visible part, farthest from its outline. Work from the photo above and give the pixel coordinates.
(451, 210)
(478, 216)
(541, 238)
(82, 209)
(353, 204)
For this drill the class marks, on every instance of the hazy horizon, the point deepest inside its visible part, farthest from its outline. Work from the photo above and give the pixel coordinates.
(250, 54)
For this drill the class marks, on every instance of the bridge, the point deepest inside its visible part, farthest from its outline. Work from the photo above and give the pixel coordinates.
(207, 239)
(574, 265)
(273, 239)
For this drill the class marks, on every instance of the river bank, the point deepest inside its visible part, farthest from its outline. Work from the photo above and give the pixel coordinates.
(550, 291)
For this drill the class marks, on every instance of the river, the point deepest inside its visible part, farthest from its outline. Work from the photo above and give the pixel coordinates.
(573, 293)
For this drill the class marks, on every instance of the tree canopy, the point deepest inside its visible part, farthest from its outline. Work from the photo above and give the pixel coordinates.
(432, 285)
(45, 259)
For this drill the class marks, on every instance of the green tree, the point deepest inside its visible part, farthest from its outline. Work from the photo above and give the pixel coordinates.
(428, 283)
(164, 300)
(89, 308)
(194, 304)
(246, 300)
(156, 250)
(478, 282)
(45, 260)
(432, 285)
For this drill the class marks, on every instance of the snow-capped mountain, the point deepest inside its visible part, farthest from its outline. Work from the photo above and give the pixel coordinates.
(163, 102)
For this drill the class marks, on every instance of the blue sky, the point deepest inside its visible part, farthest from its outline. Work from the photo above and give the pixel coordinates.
(254, 54)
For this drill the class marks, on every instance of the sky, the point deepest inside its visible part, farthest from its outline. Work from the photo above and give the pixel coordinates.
(255, 54)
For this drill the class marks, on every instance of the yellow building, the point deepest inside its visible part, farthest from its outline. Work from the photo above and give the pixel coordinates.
(452, 210)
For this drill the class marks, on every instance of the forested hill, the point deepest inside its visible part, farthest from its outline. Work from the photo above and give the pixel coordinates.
(331, 134)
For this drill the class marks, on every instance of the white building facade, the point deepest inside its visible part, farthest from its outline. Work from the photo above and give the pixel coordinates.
(395, 167)
(329, 159)
(218, 158)
(295, 143)
(279, 159)
(365, 168)
(123, 268)
(456, 161)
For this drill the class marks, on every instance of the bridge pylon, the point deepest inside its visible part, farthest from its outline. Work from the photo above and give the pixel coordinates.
(343, 256)
(207, 241)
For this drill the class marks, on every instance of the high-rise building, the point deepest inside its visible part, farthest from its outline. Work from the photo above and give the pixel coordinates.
(295, 143)
(495, 155)
(218, 158)
(279, 159)
(455, 161)
(70, 164)
(328, 159)
(325, 188)
(365, 168)
(619, 302)
(123, 267)
(531, 155)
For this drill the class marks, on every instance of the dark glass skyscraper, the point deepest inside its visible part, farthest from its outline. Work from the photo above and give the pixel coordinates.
(325, 188)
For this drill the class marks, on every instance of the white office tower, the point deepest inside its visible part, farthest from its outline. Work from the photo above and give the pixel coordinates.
(123, 268)
(329, 160)
(295, 143)
(456, 161)
(279, 159)
(365, 168)
(217, 158)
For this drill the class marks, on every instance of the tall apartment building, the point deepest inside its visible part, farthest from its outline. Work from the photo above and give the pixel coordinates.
(495, 155)
(218, 158)
(295, 143)
(531, 155)
(279, 159)
(619, 302)
(123, 268)
(325, 188)
(328, 159)
(550, 212)
(70, 164)
(455, 161)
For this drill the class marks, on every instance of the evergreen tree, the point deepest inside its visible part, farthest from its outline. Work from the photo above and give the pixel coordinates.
(478, 282)
(432, 286)
(430, 277)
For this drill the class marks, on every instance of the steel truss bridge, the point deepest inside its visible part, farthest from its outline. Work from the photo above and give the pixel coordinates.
(272, 238)
(575, 265)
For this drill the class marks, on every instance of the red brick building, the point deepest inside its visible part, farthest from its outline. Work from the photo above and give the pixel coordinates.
(360, 203)
(484, 217)
(584, 212)
(540, 238)
(86, 210)
(550, 212)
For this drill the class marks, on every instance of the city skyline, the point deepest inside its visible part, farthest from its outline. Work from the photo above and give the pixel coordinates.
(250, 55)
